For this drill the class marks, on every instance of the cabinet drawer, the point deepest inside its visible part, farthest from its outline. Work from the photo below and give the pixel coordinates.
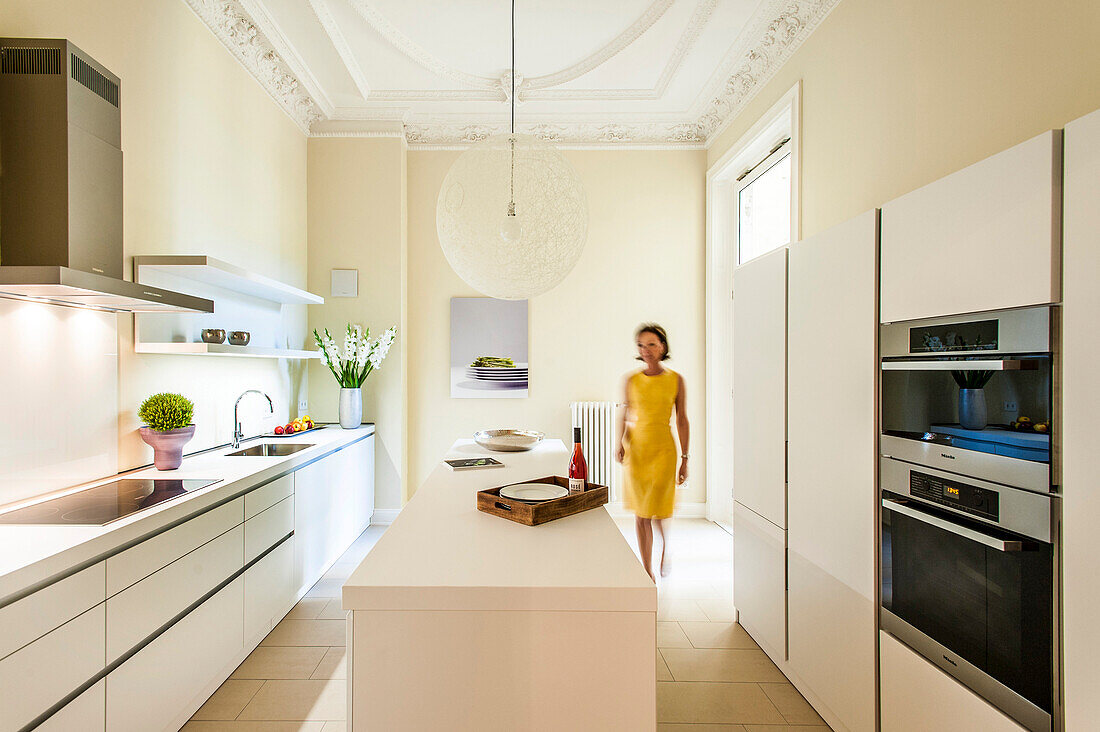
(137, 562)
(264, 530)
(139, 610)
(759, 574)
(35, 615)
(85, 713)
(269, 590)
(268, 495)
(39, 675)
(160, 686)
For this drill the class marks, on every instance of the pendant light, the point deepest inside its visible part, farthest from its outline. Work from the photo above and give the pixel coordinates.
(512, 216)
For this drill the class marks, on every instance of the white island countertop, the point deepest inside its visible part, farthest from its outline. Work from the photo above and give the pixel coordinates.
(441, 553)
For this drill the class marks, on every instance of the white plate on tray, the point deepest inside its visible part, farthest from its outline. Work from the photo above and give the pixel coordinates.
(533, 491)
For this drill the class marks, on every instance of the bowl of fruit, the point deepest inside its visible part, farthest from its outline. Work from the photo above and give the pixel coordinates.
(301, 424)
(1024, 424)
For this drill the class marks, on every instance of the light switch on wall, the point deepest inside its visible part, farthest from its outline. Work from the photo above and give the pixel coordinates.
(345, 283)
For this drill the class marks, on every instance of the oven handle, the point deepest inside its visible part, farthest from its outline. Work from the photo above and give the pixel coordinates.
(1007, 364)
(963, 531)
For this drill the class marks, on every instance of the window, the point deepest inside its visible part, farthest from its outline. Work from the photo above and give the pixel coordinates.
(764, 205)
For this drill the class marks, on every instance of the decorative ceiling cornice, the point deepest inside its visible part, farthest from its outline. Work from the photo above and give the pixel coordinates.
(776, 32)
(254, 50)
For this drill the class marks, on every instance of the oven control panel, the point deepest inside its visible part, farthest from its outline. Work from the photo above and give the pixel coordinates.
(959, 496)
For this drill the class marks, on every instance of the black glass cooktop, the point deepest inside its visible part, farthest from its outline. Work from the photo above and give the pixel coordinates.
(104, 503)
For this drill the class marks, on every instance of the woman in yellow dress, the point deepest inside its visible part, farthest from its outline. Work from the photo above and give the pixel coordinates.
(646, 448)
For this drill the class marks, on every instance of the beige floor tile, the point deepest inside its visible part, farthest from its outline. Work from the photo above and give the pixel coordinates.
(786, 728)
(301, 632)
(296, 700)
(720, 664)
(717, 635)
(718, 611)
(701, 728)
(670, 609)
(794, 708)
(253, 727)
(687, 589)
(333, 610)
(715, 703)
(670, 635)
(663, 674)
(326, 588)
(228, 701)
(308, 607)
(280, 662)
(340, 570)
(335, 727)
(333, 666)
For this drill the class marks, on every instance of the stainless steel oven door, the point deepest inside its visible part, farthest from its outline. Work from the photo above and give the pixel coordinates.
(975, 599)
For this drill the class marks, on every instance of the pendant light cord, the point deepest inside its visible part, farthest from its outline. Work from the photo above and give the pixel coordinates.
(512, 137)
(513, 67)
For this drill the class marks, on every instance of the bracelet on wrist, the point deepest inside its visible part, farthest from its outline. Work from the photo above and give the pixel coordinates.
(683, 457)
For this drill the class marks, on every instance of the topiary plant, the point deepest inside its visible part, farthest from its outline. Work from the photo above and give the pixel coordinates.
(163, 412)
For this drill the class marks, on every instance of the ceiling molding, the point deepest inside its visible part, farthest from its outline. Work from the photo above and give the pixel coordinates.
(776, 31)
(336, 38)
(254, 51)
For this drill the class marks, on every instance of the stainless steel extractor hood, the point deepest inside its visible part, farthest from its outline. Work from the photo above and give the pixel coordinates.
(61, 183)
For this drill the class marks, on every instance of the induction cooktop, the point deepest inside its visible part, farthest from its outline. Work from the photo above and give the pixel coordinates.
(105, 503)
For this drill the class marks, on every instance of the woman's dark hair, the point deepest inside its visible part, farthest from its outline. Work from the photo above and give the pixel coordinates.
(655, 330)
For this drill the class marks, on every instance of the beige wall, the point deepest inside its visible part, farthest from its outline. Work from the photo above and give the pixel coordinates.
(644, 260)
(211, 166)
(357, 221)
(898, 94)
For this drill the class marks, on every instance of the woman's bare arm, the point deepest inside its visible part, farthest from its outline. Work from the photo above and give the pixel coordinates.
(620, 451)
(683, 431)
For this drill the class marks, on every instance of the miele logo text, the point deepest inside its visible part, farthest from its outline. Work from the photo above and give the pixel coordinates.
(949, 457)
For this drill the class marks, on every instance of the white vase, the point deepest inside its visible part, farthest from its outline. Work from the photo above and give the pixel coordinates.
(351, 408)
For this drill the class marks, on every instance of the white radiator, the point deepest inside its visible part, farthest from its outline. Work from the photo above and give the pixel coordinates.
(597, 423)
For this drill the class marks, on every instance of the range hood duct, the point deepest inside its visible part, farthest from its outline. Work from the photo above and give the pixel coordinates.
(61, 183)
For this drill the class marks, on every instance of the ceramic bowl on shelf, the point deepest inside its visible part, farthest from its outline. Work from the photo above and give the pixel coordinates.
(213, 335)
(508, 440)
(240, 337)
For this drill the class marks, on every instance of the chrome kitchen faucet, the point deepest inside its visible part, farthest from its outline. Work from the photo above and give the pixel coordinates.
(238, 433)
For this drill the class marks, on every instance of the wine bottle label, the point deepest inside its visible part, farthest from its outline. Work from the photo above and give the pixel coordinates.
(576, 485)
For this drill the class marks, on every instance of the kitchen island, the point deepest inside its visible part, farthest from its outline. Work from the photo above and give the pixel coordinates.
(463, 620)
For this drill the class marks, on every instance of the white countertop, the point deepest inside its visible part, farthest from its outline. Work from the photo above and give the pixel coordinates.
(441, 553)
(33, 555)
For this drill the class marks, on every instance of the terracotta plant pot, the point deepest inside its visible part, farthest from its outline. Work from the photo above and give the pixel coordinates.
(167, 446)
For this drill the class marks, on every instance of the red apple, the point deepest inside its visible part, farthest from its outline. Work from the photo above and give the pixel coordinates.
(279, 430)
(289, 429)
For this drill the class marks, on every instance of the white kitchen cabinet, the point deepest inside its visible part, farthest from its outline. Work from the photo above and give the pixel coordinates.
(141, 560)
(86, 713)
(759, 386)
(270, 587)
(37, 614)
(1080, 405)
(760, 578)
(41, 674)
(917, 696)
(268, 495)
(265, 529)
(831, 428)
(984, 238)
(139, 610)
(163, 684)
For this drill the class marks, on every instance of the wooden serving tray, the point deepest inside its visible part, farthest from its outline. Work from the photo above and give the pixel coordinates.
(533, 514)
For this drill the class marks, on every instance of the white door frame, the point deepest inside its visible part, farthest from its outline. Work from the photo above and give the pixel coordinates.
(782, 120)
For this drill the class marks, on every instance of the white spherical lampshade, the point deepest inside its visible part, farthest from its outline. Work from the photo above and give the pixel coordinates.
(507, 256)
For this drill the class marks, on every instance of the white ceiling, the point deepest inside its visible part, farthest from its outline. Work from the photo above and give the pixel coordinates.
(588, 72)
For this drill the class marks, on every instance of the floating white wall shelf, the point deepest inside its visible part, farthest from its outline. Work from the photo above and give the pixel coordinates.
(223, 349)
(209, 270)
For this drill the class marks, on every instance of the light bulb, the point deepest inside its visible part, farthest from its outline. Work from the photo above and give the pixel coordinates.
(511, 230)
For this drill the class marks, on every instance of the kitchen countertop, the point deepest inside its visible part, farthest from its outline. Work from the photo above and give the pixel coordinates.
(441, 553)
(32, 556)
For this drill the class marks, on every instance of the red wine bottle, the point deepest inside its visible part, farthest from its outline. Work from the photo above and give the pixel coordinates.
(578, 468)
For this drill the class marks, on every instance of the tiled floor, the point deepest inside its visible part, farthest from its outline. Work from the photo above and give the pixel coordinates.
(711, 676)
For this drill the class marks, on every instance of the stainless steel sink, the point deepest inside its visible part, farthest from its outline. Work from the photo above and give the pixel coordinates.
(270, 449)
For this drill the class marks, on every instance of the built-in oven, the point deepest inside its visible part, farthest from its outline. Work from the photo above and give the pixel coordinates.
(970, 510)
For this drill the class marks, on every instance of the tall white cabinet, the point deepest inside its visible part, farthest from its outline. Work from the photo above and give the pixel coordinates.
(831, 427)
(759, 448)
(1081, 463)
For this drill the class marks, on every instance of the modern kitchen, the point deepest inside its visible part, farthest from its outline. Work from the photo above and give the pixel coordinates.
(349, 342)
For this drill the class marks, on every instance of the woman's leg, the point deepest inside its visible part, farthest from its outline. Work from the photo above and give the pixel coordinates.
(661, 529)
(645, 543)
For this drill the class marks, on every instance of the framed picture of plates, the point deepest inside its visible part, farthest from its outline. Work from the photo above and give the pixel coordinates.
(488, 348)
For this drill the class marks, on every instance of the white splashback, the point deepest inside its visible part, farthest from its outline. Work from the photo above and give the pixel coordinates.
(59, 404)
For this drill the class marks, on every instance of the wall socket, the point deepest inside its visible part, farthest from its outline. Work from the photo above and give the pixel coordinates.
(303, 406)
(1010, 406)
